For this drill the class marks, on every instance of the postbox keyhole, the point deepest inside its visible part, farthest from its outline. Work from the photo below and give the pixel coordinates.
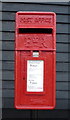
(35, 53)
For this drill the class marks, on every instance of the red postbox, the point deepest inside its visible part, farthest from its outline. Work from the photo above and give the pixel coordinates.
(35, 60)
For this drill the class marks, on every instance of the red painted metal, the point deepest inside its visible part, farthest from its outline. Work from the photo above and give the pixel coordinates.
(25, 43)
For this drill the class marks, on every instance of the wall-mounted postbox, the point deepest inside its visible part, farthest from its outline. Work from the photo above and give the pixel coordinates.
(35, 60)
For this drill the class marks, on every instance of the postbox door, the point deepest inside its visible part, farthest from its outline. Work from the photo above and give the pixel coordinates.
(37, 99)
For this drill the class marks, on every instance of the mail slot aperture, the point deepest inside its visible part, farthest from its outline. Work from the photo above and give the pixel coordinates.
(35, 30)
